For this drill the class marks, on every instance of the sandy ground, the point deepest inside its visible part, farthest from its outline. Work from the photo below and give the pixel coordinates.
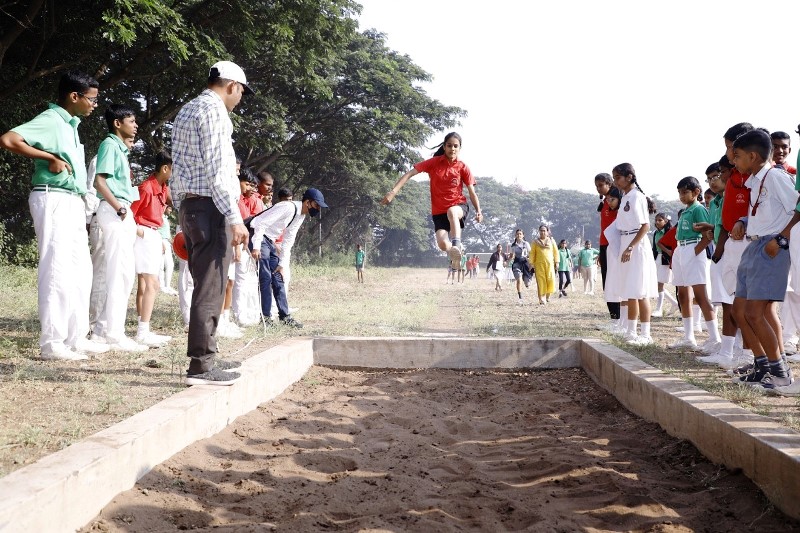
(441, 450)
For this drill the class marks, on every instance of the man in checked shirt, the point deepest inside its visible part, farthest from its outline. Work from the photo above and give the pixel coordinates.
(204, 183)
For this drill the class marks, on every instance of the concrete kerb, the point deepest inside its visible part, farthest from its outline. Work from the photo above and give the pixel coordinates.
(75, 483)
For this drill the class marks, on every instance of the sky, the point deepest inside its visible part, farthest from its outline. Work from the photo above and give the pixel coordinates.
(557, 92)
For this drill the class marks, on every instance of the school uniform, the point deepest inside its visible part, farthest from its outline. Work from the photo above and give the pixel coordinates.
(612, 288)
(735, 205)
(97, 296)
(244, 302)
(688, 267)
(148, 214)
(639, 274)
(119, 235)
(663, 270)
(719, 294)
(774, 200)
(607, 217)
(57, 209)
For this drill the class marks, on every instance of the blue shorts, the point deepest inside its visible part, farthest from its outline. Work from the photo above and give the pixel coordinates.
(761, 277)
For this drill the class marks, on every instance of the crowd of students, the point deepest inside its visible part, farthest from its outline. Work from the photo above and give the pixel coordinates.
(729, 248)
(97, 233)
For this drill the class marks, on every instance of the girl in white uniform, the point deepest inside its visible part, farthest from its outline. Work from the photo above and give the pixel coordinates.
(613, 280)
(663, 270)
(638, 271)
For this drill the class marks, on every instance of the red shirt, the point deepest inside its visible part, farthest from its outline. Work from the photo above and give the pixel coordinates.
(669, 239)
(736, 200)
(607, 216)
(251, 205)
(447, 182)
(149, 209)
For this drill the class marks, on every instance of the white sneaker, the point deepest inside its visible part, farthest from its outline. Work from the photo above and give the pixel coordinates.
(683, 343)
(710, 347)
(126, 344)
(657, 313)
(789, 348)
(91, 346)
(642, 340)
(716, 359)
(94, 337)
(630, 338)
(793, 358)
(229, 330)
(63, 355)
(169, 290)
(153, 340)
(788, 390)
(454, 253)
(590, 293)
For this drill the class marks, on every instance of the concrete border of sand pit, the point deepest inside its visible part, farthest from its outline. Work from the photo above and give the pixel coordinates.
(65, 490)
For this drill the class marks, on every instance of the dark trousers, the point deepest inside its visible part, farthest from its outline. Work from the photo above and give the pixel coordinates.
(209, 247)
(270, 282)
(564, 279)
(613, 307)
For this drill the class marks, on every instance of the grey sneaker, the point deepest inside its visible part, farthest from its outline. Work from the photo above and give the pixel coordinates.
(291, 322)
(227, 366)
(454, 253)
(215, 376)
(771, 382)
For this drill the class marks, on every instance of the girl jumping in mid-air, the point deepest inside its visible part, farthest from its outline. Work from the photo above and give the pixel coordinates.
(637, 269)
(449, 209)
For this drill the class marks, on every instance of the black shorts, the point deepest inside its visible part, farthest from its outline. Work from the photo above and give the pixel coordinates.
(442, 222)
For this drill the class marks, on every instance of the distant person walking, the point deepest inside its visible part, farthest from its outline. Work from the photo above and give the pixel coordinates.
(360, 257)
(543, 257)
(495, 267)
(587, 258)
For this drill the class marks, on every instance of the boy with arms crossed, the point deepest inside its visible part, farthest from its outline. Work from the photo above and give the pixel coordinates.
(764, 269)
(56, 205)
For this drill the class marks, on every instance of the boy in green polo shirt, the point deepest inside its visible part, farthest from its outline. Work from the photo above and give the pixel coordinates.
(113, 184)
(59, 182)
(587, 258)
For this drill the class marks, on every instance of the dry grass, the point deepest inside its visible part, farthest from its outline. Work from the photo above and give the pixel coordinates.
(45, 406)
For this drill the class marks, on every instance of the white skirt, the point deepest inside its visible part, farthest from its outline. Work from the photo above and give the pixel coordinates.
(663, 272)
(639, 278)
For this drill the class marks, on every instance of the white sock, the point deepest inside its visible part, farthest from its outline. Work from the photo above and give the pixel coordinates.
(631, 329)
(713, 333)
(645, 329)
(660, 301)
(143, 329)
(623, 322)
(727, 346)
(697, 315)
(738, 338)
(688, 328)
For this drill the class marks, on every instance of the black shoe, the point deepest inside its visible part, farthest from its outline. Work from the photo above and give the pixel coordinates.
(215, 376)
(754, 377)
(291, 322)
(268, 322)
(227, 365)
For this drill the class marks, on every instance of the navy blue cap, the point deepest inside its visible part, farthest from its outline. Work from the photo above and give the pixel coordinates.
(316, 195)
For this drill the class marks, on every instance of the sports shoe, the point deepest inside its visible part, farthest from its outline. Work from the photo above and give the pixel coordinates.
(771, 382)
(754, 377)
(126, 344)
(94, 337)
(63, 355)
(743, 370)
(788, 390)
(793, 358)
(657, 313)
(642, 340)
(169, 290)
(229, 330)
(710, 347)
(153, 340)
(291, 322)
(789, 348)
(227, 366)
(683, 343)
(454, 253)
(716, 359)
(215, 376)
(89, 346)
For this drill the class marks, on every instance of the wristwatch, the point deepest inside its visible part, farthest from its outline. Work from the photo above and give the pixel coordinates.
(782, 241)
(630, 248)
(124, 211)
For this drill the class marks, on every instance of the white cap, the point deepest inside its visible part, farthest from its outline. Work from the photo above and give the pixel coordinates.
(230, 71)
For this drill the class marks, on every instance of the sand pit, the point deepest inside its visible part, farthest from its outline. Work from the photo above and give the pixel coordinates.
(441, 450)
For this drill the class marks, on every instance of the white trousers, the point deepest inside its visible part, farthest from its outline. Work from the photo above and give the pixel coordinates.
(185, 289)
(245, 304)
(118, 238)
(97, 298)
(65, 269)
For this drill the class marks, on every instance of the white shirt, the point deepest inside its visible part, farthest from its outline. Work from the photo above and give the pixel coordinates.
(776, 201)
(90, 198)
(632, 212)
(272, 222)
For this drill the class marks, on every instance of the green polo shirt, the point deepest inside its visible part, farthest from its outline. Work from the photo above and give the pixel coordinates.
(56, 131)
(587, 256)
(694, 213)
(715, 215)
(112, 160)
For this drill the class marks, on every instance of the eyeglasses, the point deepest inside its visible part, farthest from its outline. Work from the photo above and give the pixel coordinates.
(713, 178)
(92, 99)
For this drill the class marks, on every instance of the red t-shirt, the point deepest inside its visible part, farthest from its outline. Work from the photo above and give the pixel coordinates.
(736, 200)
(149, 209)
(447, 182)
(669, 239)
(251, 205)
(607, 216)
